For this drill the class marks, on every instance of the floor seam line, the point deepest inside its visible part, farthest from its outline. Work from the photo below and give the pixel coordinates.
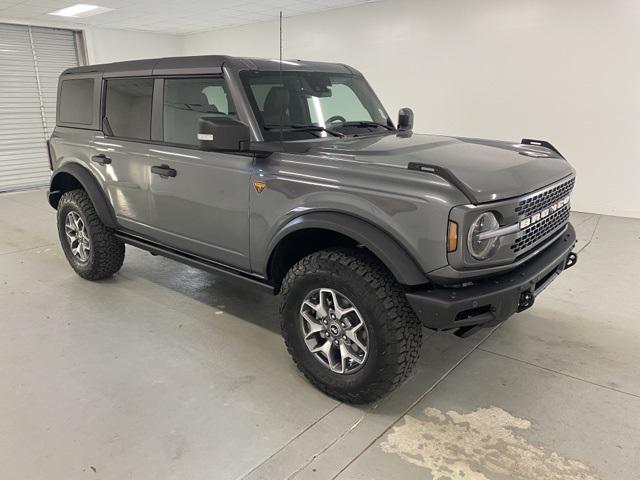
(585, 220)
(290, 441)
(595, 228)
(27, 249)
(418, 400)
(560, 373)
(336, 440)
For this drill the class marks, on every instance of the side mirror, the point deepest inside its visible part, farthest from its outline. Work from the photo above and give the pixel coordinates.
(405, 119)
(223, 134)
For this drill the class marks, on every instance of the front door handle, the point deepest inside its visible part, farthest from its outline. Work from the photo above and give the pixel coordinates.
(101, 159)
(164, 170)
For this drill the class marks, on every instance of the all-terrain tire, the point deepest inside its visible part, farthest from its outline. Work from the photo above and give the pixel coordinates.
(106, 253)
(394, 331)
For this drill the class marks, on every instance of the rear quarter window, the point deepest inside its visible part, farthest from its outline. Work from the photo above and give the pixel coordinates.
(76, 101)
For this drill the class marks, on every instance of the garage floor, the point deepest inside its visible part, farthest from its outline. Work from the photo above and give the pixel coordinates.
(168, 372)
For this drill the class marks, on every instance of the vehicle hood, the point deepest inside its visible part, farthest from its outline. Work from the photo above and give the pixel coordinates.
(488, 170)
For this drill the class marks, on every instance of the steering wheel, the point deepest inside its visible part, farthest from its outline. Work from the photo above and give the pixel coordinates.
(335, 119)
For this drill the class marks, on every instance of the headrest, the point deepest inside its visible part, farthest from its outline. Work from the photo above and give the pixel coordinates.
(277, 98)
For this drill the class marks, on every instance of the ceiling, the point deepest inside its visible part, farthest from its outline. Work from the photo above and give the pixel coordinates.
(176, 17)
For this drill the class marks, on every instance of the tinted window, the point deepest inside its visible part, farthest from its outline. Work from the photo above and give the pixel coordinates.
(343, 103)
(128, 107)
(188, 99)
(294, 101)
(76, 101)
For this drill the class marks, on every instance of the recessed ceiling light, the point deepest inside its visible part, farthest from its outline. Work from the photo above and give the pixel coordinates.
(81, 10)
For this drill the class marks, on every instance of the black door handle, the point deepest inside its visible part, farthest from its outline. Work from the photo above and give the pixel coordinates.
(164, 171)
(102, 159)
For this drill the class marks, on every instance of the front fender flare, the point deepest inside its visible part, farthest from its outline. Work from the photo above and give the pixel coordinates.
(89, 183)
(394, 256)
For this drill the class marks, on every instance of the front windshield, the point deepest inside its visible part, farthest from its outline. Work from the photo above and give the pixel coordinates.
(314, 104)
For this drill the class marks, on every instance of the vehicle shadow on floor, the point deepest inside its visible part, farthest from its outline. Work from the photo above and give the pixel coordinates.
(236, 297)
(343, 427)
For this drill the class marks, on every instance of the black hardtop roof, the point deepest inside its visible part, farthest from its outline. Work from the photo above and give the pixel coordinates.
(204, 64)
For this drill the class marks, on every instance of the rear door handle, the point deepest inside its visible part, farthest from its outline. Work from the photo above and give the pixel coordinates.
(164, 170)
(101, 159)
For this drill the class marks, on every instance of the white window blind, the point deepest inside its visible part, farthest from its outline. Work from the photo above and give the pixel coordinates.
(31, 59)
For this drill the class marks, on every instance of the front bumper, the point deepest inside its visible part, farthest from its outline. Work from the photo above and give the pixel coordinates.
(491, 301)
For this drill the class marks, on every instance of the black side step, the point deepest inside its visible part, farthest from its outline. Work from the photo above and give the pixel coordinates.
(192, 260)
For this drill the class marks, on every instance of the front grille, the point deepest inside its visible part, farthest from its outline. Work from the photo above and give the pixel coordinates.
(545, 227)
(536, 203)
(539, 230)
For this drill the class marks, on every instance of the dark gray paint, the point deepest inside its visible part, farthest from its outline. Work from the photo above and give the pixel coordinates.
(411, 209)
(211, 209)
(492, 170)
(93, 188)
(386, 248)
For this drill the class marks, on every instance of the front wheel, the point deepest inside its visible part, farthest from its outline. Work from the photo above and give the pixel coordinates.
(348, 326)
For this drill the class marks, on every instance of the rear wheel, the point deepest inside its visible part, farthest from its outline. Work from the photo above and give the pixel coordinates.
(348, 326)
(90, 247)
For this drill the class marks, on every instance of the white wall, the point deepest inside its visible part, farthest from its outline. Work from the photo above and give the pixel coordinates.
(106, 45)
(563, 70)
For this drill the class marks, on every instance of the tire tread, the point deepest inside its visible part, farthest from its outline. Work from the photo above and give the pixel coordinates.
(404, 339)
(108, 251)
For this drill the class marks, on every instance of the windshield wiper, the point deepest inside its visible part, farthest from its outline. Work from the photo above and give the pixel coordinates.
(304, 128)
(365, 124)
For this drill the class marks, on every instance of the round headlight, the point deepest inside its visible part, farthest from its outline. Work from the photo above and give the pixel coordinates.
(482, 248)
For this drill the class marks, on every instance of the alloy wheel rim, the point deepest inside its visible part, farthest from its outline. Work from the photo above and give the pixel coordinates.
(334, 330)
(77, 236)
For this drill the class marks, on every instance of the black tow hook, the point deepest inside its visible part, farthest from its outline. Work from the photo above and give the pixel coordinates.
(572, 259)
(526, 301)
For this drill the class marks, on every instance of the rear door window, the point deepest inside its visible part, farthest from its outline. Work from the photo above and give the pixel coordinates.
(128, 108)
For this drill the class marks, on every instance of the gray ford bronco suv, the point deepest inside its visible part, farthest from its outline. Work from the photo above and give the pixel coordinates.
(292, 176)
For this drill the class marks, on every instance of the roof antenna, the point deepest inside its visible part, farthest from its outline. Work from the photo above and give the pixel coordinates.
(281, 84)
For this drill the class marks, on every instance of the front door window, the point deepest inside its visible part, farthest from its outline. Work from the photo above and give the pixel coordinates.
(188, 99)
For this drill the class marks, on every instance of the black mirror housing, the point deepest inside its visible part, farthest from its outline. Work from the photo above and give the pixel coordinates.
(223, 134)
(405, 119)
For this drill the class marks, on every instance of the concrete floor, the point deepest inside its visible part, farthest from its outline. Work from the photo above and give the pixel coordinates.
(167, 372)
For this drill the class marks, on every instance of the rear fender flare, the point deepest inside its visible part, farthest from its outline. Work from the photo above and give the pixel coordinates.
(90, 185)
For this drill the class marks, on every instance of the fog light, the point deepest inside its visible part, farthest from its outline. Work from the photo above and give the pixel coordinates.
(483, 247)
